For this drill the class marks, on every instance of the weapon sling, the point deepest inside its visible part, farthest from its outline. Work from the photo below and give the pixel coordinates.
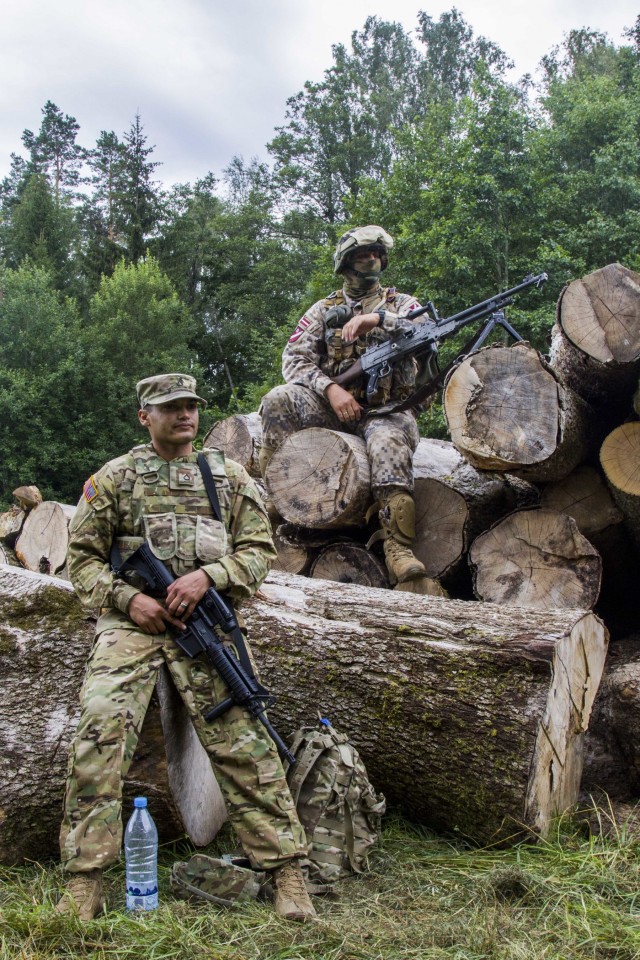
(211, 613)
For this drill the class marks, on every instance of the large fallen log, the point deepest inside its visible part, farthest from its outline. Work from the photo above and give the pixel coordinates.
(469, 716)
(45, 640)
(455, 502)
(506, 410)
(595, 345)
(536, 558)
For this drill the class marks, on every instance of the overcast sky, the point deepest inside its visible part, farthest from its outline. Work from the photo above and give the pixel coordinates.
(210, 78)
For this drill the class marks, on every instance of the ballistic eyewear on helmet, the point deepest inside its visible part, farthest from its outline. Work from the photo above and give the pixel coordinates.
(375, 248)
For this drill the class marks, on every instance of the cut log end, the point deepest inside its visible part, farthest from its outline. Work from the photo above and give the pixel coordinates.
(600, 314)
(320, 478)
(557, 763)
(536, 558)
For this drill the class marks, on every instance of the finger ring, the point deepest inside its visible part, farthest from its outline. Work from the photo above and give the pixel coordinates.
(183, 604)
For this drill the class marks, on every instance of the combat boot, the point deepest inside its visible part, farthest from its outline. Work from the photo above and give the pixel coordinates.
(398, 522)
(292, 900)
(83, 895)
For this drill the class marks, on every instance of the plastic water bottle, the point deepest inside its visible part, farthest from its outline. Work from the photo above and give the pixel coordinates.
(141, 858)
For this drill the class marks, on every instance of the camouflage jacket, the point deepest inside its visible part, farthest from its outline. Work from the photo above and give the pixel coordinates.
(315, 352)
(140, 495)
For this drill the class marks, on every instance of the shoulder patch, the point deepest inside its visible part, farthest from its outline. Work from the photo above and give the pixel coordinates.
(91, 490)
(300, 329)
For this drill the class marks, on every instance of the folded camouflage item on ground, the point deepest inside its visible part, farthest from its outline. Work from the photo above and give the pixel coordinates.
(223, 881)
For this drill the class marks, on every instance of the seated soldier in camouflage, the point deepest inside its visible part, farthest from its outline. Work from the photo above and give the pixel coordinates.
(156, 492)
(319, 350)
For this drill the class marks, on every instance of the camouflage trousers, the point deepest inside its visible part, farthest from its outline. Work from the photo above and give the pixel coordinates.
(118, 684)
(391, 439)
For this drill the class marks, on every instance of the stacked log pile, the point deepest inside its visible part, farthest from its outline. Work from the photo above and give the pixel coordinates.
(529, 527)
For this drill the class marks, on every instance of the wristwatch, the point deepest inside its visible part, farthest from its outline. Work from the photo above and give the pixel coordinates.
(381, 314)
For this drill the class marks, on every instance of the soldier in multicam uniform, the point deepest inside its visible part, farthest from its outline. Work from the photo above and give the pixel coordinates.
(321, 348)
(156, 492)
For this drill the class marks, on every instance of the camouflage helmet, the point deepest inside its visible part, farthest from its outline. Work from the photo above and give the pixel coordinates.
(361, 237)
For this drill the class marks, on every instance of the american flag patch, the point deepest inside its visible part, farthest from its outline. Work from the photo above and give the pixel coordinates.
(299, 330)
(90, 489)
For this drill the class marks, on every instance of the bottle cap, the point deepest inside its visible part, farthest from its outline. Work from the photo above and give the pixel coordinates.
(140, 802)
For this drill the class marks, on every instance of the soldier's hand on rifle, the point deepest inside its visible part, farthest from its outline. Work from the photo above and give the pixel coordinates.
(185, 593)
(149, 614)
(359, 325)
(345, 407)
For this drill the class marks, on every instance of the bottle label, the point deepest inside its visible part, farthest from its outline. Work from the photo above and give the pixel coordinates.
(142, 899)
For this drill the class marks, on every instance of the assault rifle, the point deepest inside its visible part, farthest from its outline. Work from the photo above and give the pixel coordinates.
(423, 338)
(212, 616)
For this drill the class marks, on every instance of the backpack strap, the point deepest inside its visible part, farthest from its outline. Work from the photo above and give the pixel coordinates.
(210, 486)
(304, 763)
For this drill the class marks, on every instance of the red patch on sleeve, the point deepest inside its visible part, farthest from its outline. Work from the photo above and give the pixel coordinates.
(300, 329)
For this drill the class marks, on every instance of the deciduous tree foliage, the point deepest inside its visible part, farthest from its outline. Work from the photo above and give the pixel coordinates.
(106, 277)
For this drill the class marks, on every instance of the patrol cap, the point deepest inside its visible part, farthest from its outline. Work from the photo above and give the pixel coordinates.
(166, 387)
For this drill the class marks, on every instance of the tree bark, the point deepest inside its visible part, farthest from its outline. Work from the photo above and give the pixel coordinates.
(507, 411)
(350, 563)
(455, 502)
(595, 347)
(536, 558)
(240, 439)
(612, 756)
(45, 640)
(468, 716)
(321, 479)
(619, 457)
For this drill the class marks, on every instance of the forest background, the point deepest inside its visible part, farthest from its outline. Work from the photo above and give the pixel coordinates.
(106, 276)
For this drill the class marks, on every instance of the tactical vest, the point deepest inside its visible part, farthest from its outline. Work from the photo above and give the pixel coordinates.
(166, 503)
(399, 383)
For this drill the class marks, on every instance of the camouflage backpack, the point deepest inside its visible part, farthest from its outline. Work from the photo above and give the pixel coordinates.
(337, 805)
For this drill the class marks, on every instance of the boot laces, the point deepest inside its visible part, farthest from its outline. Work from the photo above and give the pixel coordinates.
(82, 884)
(290, 882)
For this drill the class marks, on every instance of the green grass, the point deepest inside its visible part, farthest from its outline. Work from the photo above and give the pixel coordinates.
(571, 897)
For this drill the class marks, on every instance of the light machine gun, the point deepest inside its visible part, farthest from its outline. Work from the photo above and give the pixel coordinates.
(212, 622)
(423, 339)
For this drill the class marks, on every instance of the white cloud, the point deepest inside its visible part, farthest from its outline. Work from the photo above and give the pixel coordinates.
(209, 78)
